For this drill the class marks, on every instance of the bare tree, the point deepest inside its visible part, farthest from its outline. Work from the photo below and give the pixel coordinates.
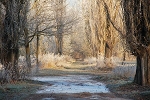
(49, 18)
(136, 25)
(10, 37)
(101, 34)
(25, 35)
(63, 23)
(136, 18)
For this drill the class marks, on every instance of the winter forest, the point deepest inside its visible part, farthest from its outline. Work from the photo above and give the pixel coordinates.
(45, 42)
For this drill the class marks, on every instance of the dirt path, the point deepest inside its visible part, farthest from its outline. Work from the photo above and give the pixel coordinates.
(73, 82)
(72, 87)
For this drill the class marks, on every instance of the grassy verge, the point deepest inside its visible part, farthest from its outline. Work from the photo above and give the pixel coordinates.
(125, 88)
(18, 90)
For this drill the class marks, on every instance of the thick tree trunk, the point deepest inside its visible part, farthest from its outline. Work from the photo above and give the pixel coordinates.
(10, 62)
(136, 20)
(14, 64)
(138, 75)
(10, 38)
(59, 44)
(148, 67)
(142, 76)
(27, 48)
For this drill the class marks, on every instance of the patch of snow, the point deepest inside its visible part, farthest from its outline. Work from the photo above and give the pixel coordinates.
(48, 99)
(71, 84)
(94, 97)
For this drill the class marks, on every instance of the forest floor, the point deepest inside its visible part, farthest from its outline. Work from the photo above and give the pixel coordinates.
(118, 88)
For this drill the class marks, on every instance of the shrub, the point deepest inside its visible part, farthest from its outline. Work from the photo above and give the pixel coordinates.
(90, 60)
(52, 61)
(102, 62)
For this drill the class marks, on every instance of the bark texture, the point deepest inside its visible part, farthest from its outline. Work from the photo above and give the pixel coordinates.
(137, 22)
(10, 38)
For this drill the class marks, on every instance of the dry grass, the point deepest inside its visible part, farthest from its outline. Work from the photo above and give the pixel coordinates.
(90, 60)
(127, 70)
(120, 69)
(101, 61)
(54, 61)
(66, 63)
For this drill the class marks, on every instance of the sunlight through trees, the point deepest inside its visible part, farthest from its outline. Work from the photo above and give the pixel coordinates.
(105, 30)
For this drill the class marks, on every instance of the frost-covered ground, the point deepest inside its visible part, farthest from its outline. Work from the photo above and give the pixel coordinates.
(71, 84)
(74, 82)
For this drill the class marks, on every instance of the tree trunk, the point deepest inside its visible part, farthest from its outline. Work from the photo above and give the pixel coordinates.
(27, 48)
(136, 20)
(59, 44)
(14, 64)
(124, 57)
(10, 61)
(10, 38)
(138, 75)
(108, 54)
(142, 76)
(148, 67)
(37, 54)
(28, 59)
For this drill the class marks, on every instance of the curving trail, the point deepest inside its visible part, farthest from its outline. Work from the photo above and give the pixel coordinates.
(72, 86)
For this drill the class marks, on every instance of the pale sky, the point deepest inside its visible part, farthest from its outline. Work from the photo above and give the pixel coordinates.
(71, 2)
